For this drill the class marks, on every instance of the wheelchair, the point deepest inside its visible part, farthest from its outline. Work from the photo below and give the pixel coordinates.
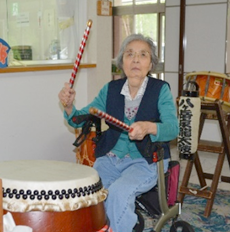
(154, 203)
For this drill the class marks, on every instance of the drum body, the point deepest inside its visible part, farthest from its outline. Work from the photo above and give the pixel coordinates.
(85, 152)
(212, 86)
(53, 195)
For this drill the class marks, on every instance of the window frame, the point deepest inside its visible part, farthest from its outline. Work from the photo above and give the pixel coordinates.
(139, 9)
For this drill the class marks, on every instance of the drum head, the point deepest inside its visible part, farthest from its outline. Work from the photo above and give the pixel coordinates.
(49, 186)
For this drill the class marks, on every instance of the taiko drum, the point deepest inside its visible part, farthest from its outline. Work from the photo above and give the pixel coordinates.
(53, 196)
(212, 86)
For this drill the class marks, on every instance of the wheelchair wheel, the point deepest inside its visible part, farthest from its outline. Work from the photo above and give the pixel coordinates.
(181, 226)
(139, 227)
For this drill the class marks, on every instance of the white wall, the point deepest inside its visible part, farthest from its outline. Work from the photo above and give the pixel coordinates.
(32, 124)
(205, 44)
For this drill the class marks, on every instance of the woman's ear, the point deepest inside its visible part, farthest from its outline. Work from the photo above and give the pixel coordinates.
(150, 66)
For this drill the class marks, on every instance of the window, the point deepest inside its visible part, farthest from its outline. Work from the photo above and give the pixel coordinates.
(40, 31)
(139, 16)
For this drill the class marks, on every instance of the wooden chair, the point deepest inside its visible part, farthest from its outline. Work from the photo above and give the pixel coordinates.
(213, 111)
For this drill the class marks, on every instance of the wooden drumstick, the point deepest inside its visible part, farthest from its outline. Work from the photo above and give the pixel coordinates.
(110, 119)
(79, 55)
(80, 52)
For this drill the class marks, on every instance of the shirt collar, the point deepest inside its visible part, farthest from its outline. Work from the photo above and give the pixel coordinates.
(140, 93)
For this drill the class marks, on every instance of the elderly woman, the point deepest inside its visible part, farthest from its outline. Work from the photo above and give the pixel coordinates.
(123, 161)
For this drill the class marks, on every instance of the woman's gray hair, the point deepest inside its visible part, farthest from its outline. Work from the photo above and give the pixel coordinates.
(137, 37)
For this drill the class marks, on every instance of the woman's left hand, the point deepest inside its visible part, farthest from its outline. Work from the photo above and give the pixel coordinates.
(140, 129)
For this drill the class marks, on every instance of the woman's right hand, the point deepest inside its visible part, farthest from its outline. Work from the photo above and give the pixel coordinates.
(66, 97)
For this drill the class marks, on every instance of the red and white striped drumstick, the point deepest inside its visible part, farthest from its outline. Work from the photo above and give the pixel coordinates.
(110, 119)
(80, 52)
(106, 228)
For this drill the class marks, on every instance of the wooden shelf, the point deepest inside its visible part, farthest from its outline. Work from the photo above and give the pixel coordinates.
(33, 68)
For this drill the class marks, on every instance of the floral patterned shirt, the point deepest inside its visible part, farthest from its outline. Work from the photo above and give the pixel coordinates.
(132, 105)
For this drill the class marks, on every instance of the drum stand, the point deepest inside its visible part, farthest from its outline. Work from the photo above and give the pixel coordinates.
(209, 110)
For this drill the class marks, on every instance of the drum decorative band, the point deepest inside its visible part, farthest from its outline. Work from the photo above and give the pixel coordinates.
(49, 186)
(50, 194)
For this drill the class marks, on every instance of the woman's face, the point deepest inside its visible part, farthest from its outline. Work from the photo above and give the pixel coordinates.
(136, 62)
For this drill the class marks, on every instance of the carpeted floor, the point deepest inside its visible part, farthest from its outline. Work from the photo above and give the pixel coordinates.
(193, 213)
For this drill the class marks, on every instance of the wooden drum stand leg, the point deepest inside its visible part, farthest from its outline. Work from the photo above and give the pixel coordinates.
(211, 147)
